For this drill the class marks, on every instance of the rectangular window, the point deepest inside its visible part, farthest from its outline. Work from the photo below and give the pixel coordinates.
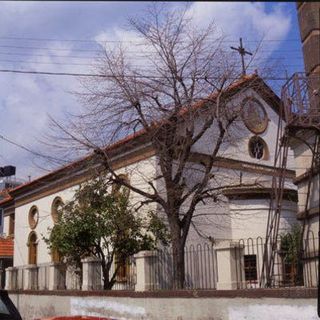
(11, 224)
(250, 267)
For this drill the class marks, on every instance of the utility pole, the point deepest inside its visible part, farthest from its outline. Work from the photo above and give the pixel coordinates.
(242, 51)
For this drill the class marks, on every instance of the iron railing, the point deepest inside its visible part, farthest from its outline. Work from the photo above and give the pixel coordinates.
(293, 265)
(200, 268)
(126, 277)
(301, 100)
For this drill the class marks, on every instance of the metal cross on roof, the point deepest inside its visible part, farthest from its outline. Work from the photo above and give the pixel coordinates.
(242, 51)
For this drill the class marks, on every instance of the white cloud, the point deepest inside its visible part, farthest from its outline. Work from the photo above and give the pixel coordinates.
(246, 19)
(25, 100)
(249, 20)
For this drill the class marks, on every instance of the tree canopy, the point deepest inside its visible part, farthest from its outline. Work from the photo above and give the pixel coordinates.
(99, 223)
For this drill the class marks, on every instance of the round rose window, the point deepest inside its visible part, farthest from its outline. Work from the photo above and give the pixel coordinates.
(254, 115)
(33, 217)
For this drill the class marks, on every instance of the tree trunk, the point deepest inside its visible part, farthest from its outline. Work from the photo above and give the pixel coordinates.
(178, 262)
(107, 284)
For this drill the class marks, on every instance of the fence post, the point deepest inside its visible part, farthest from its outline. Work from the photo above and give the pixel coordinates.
(229, 262)
(43, 277)
(57, 276)
(9, 279)
(73, 278)
(91, 274)
(144, 266)
(31, 277)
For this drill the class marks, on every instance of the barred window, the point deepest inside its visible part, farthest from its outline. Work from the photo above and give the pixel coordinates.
(123, 267)
(250, 267)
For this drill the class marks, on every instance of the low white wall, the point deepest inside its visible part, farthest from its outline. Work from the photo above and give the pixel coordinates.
(168, 308)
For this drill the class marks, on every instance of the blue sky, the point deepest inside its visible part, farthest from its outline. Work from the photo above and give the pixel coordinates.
(64, 36)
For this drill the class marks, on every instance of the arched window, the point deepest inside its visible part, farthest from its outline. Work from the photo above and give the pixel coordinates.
(258, 149)
(33, 217)
(32, 244)
(56, 206)
(55, 254)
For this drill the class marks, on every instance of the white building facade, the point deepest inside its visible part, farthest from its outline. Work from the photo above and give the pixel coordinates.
(248, 162)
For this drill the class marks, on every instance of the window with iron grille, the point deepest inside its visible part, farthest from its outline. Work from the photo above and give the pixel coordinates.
(250, 267)
(123, 269)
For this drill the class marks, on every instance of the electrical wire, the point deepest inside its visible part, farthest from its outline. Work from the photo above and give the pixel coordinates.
(112, 76)
(38, 154)
(135, 41)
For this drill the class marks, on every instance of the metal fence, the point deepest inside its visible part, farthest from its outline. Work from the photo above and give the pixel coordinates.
(200, 266)
(126, 275)
(292, 267)
(296, 262)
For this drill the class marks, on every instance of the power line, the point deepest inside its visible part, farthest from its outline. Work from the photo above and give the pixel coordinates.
(47, 55)
(101, 51)
(131, 41)
(51, 62)
(97, 57)
(30, 150)
(27, 54)
(139, 66)
(48, 48)
(111, 76)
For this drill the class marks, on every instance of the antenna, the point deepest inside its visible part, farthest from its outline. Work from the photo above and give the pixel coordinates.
(242, 51)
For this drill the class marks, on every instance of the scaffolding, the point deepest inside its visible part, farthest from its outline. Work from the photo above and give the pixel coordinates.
(299, 116)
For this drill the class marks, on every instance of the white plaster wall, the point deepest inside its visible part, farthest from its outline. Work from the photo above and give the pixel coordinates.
(138, 175)
(313, 196)
(302, 154)
(22, 228)
(210, 220)
(249, 217)
(235, 219)
(303, 160)
(311, 231)
(237, 145)
(219, 224)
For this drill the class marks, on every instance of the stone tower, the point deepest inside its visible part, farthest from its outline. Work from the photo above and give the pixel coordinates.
(309, 22)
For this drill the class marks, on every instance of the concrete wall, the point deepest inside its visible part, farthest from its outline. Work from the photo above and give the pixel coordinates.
(179, 307)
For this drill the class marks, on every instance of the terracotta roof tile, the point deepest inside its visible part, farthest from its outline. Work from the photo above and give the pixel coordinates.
(6, 247)
(5, 196)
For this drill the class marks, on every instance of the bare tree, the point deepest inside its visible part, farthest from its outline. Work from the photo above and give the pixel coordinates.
(180, 86)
